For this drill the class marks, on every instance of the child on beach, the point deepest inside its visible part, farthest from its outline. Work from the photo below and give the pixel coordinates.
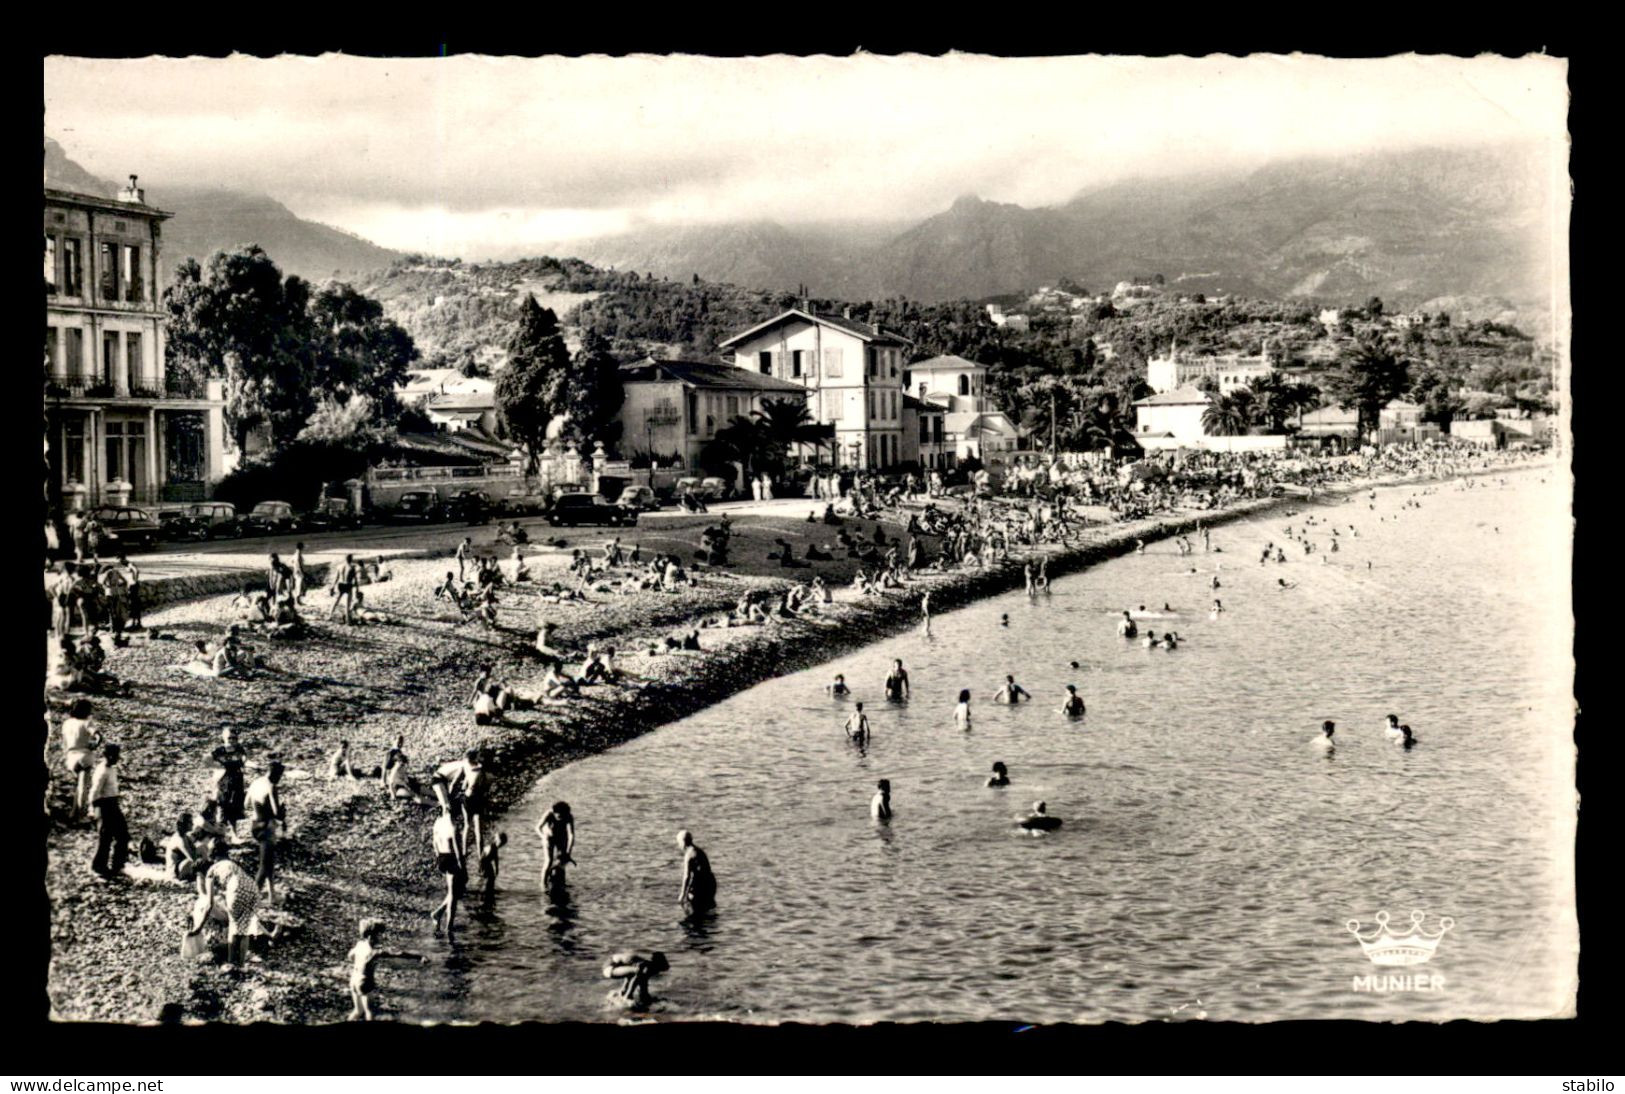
(364, 957)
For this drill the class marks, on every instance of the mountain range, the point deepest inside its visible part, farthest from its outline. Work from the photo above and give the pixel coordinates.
(1407, 226)
(1410, 227)
(208, 219)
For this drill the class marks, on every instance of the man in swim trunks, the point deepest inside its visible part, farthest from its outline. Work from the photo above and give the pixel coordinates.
(1073, 706)
(857, 725)
(448, 856)
(267, 813)
(880, 804)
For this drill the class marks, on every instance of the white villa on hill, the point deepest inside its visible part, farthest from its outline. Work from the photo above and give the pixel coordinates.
(851, 372)
(1231, 371)
(972, 427)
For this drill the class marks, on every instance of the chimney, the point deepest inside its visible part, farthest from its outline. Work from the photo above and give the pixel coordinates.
(132, 192)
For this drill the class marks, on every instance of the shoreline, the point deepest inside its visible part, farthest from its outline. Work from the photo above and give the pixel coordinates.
(355, 854)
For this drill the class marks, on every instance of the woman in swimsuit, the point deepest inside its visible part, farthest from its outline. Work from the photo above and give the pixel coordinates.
(79, 742)
(230, 787)
(558, 832)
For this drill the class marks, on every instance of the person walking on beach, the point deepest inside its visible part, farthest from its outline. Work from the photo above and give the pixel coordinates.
(857, 725)
(448, 857)
(112, 832)
(344, 587)
(962, 711)
(463, 781)
(269, 813)
(299, 574)
(465, 551)
(699, 890)
(364, 957)
(897, 682)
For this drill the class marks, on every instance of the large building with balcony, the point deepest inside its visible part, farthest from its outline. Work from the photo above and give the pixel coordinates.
(851, 373)
(675, 408)
(972, 427)
(117, 426)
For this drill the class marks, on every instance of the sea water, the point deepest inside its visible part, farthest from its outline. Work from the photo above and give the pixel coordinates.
(1211, 859)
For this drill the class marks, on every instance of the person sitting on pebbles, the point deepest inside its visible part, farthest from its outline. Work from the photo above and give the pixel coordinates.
(559, 687)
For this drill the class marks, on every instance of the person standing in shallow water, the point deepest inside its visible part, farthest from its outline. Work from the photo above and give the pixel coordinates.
(880, 804)
(699, 890)
(962, 711)
(857, 725)
(897, 682)
(1000, 776)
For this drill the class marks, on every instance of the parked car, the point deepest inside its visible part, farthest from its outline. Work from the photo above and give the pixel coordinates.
(711, 488)
(573, 509)
(641, 498)
(333, 515)
(175, 525)
(471, 506)
(270, 518)
(217, 519)
(520, 502)
(126, 528)
(419, 506)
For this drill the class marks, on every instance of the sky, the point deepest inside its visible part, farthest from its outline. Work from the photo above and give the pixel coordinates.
(469, 156)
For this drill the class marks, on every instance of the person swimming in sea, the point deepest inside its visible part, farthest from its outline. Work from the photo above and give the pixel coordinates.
(1218, 606)
(1072, 706)
(1004, 620)
(1324, 741)
(1039, 820)
(1282, 583)
(1011, 693)
(1407, 739)
(838, 689)
(1126, 627)
(880, 804)
(1000, 776)
(1391, 730)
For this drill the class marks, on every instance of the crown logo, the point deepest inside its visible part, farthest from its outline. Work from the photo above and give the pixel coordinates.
(1413, 946)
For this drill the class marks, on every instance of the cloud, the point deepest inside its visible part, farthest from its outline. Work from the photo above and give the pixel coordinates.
(475, 145)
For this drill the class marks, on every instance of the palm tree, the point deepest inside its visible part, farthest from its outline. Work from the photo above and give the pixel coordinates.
(1229, 415)
(785, 423)
(740, 441)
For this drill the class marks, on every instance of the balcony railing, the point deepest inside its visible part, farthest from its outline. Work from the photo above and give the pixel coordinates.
(80, 387)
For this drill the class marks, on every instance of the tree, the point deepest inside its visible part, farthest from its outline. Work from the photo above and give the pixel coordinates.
(1230, 415)
(350, 425)
(356, 352)
(531, 391)
(740, 441)
(1369, 379)
(783, 423)
(240, 322)
(593, 393)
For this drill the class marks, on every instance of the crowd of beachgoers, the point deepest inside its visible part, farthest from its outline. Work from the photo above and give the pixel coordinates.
(510, 596)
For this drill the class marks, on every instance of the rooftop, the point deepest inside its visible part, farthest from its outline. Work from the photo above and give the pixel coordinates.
(95, 201)
(947, 361)
(706, 374)
(1183, 396)
(857, 327)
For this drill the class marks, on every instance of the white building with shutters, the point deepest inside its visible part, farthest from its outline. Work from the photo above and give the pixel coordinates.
(852, 374)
